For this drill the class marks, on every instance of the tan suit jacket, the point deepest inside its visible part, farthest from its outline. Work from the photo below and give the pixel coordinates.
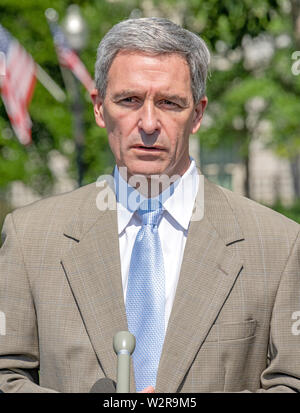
(233, 325)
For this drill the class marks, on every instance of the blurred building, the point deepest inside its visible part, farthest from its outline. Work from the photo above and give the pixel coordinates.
(271, 178)
(20, 194)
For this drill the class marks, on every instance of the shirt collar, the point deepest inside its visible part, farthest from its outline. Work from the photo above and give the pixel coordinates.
(178, 199)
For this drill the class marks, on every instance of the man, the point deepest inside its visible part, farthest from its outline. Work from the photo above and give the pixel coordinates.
(212, 296)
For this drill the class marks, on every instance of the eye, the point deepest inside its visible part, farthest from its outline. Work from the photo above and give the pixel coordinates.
(129, 100)
(168, 103)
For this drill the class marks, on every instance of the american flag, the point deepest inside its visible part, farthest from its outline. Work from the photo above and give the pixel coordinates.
(17, 84)
(68, 58)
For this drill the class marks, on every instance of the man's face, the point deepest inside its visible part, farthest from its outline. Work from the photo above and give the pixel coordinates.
(149, 113)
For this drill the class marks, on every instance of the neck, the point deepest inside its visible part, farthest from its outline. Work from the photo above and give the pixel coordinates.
(151, 186)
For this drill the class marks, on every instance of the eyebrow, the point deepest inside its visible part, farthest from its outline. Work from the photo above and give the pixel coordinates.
(130, 92)
(123, 94)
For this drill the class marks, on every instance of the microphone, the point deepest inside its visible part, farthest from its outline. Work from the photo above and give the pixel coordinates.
(104, 385)
(124, 345)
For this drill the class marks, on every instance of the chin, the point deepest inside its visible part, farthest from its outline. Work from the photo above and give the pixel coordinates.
(147, 171)
(146, 168)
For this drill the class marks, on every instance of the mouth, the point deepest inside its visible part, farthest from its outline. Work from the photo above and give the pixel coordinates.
(153, 148)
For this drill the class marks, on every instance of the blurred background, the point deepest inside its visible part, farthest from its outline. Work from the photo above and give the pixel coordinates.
(249, 141)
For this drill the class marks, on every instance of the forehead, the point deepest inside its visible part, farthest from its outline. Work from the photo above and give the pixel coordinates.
(131, 69)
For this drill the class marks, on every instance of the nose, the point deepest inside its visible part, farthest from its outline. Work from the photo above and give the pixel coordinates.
(148, 120)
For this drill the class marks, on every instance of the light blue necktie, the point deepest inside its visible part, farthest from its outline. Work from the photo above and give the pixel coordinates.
(145, 298)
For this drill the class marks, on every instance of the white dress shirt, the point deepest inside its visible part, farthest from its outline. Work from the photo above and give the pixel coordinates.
(178, 202)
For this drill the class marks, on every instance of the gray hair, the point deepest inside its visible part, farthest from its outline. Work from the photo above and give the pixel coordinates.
(155, 36)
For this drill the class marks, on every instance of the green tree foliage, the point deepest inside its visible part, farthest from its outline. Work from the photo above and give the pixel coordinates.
(241, 94)
(231, 28)
(52, 120)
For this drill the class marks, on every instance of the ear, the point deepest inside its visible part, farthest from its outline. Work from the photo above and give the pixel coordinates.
(98, 108)
(198, 114)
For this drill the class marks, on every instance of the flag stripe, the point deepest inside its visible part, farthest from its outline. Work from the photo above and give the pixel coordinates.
(68, 58)
(17, 85)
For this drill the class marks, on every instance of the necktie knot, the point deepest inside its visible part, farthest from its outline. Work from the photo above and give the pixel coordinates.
(150, 212)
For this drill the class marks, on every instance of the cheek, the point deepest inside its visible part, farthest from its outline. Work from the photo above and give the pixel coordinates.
(110, 121)
(114, 145)
(120, 124)
(117, 141)
(179, 131)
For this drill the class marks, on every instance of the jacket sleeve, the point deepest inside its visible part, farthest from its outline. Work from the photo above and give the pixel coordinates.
(283, 371)
(19, 346)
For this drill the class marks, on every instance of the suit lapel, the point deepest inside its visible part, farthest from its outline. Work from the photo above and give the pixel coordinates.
(92, 267)
(208, 273)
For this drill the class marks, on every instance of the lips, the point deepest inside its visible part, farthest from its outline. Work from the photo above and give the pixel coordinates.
(153, 148)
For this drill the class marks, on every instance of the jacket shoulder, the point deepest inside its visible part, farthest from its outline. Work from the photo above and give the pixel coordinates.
(253, 214)
(59, 208)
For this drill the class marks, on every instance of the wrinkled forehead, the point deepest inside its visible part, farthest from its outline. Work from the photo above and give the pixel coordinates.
(159, 70)
(158, 55)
